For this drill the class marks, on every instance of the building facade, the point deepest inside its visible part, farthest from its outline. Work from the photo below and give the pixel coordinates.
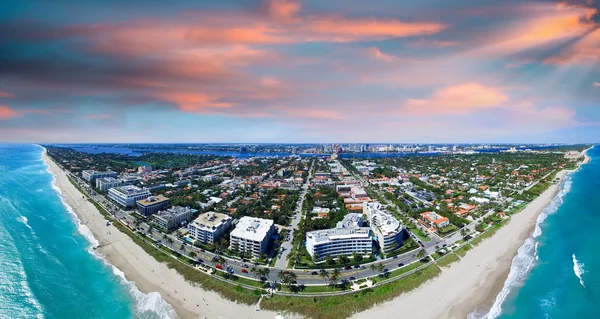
(92, 175)
(127, 196)
(105, 183)
(152, 204)
(173, 217)
(209, 227)
(251, 236)
(389, 231)
(347, 238)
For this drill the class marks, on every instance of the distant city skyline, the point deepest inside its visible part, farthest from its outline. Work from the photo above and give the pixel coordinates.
(291, 71)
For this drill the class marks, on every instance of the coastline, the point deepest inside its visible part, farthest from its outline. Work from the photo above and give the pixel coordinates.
(149, 276)
(473, 282)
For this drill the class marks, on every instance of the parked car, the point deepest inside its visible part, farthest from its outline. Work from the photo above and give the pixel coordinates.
(314, 273)
(286, 272)
(400, 264)
(245, 271)
(352, 278)
(245, 266)
(218, 266)
(347, 267)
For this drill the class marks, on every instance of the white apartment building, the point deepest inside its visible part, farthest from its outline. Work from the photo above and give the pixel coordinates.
(91, 175)
(208, 227)
(347, 238)
(173, 217)
(126, 196)
(251, 236)
(105, 183)
(389, 231)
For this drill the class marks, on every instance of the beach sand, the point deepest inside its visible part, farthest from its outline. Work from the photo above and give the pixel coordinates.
(475, 280)
(149, 275)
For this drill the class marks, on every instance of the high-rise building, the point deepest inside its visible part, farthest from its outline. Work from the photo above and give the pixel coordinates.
(251, 236)
(208, 227)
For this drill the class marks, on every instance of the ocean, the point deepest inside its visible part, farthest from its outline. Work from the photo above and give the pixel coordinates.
(556, 273)
(47, 266)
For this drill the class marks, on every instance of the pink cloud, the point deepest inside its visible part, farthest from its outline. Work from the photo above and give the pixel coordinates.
(434, 43)
(316, 113)
(7, 113)
(596, 84)
(376, 54)
(458, 99)
(6, 94)
(284, 10)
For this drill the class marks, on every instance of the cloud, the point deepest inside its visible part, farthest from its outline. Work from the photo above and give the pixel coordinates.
(7, 113)
(596, 84)
(458, 99)
(103, 116)
(285, 11)
(5, 94)
(434, 43)
(376, 54)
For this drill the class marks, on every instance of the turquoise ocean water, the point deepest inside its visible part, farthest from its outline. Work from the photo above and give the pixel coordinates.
(47, 268)
(556, 273)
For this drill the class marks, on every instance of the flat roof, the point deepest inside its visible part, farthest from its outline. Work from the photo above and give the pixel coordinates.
(210, 220)
(332, 234)
(152, 200)
(252, 228)
(129, 190)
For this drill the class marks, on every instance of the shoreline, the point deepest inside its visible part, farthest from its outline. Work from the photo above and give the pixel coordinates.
(148, 275)
(474, 282)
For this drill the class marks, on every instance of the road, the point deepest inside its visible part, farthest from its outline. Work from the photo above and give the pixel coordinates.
(286, 246)
(306, 277)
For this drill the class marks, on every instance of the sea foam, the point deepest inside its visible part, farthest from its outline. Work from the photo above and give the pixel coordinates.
(144, 303)
(526, 256)
(578, 270)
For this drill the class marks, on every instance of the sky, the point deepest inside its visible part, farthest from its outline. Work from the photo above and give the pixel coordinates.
(410, 71)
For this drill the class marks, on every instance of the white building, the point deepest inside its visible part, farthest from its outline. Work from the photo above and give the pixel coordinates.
(208, 227)
(173, 217)
(251, 236)
(91, 175)
(126, 196)
(388, 230)
(347, 238)
(105, 183)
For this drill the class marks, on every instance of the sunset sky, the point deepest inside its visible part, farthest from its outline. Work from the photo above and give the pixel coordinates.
(300, 71)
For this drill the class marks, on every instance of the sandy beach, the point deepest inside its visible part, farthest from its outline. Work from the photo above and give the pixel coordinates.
(476, 279)
(189, 301)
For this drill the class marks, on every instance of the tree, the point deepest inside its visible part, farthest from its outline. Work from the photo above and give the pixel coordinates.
(380, 268)
(329, 260)
(324, 273)
(373, 267)
(421, 254)
(182, 247)
(222, 261)
(281, 275)
(255, 271)
(192, 254)
(293, 277)
(335, 276)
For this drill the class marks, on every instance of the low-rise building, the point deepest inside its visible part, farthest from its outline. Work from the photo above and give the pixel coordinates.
(433, 220)
(173, 217)
(347, 238)
(103, 184)
(91, 175)
(251, 236)
(389, 231)
(208, 227)
(126, 196)
(152, 204)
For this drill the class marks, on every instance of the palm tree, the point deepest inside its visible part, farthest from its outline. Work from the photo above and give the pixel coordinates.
(255, 271)
(222, 261)
(266, 272)
(281, 275)
(192, 254)
(380, 268)
(335, 275)
(182, 247)
(421, 254)
(373, 267)
(324, 273)
(293, 277)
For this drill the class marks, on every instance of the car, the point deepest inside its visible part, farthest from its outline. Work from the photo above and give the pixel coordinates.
(202, 250)
(218, 266)
(314, 273)
(286, 272)
(386, 270)
(245, 271)
(352, 278)
(400, 264)
(363, 267)
(245, 266)
(347, 267)
(357, 267)
(200, 260)
(396, 257)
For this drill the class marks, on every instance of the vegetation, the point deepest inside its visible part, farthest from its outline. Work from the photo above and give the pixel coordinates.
(338, 307)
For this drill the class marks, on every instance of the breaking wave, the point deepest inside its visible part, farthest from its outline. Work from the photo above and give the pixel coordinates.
(578, 270)
(526, 256)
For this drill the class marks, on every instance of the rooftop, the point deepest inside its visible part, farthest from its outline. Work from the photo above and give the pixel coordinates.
(251, 228)
(328, 235)
(173, 212)
(210, 220)
(129, 190)
(153, 200)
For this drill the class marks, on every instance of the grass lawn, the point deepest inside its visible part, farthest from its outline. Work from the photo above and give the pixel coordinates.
(339, 307)
(405, 269)
(446, 261)
(487, 234)
(462, 251)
